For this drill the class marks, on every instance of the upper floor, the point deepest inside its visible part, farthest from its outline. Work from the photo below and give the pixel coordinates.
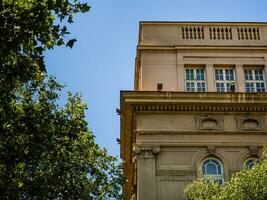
(203, 57)
(203, 33)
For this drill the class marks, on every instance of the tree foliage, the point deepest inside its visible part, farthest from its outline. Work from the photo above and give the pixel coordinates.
(47, 151)
(28, 28)
(244, 185)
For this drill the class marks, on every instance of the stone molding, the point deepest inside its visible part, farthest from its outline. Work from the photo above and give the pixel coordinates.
(146, 152)
(166, 172)
(198, 132)
(192, 108)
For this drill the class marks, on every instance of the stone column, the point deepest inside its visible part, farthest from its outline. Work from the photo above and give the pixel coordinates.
(146, 172)
(240, 78)
(210, 78)
(181, 78)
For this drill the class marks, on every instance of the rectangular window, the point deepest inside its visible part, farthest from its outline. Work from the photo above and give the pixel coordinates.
(195, 79)
(224, 79)
(254, 80)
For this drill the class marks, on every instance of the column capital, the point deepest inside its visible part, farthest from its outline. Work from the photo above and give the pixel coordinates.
(146, 152)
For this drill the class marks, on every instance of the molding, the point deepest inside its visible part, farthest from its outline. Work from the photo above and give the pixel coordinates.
(176, 172)
(202, 47)
(211, 108)
(146, 151)
(199, 132)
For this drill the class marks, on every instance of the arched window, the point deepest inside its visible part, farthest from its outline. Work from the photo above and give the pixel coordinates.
(212, 169)
(250, 162)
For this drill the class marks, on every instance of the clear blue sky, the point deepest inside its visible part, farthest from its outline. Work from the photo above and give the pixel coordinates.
(102, 61)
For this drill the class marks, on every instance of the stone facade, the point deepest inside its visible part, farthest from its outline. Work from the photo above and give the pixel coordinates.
(200, 98)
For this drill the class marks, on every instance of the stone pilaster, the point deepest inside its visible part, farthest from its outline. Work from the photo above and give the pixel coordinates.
(210, 78)
(240, 78)
(181, 78)
(146, 174)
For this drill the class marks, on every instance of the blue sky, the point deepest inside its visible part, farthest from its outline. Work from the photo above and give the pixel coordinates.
(101, 62)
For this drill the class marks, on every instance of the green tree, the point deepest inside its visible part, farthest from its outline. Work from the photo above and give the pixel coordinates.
(46, 150)
(28, 28)
(248, 184)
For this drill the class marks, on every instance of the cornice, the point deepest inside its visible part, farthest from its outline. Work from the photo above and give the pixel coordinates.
(205, 23)
(175, 100)
(199, 108)
(200, 132)
(202, 47)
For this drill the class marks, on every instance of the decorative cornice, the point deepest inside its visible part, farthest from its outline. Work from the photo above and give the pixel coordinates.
(198, 108)
(146, 152)
(200, 132)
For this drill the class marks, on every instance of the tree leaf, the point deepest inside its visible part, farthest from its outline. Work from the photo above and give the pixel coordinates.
(71, 43)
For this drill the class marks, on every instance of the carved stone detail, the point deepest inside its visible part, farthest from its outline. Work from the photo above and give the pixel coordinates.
(146, 152)
(211, 149)
(209, 108)
(254, 151)
(250, 122)
(209, 122)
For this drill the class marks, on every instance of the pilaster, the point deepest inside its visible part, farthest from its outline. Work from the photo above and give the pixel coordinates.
(146, 171)
(210, 78)
(240, 78)
(181, 78)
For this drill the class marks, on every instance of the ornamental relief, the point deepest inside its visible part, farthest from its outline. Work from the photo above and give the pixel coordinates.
(209, 122)
(146, 152)
(250, 122)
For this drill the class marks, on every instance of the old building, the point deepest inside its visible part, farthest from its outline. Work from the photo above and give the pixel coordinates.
(199, 107)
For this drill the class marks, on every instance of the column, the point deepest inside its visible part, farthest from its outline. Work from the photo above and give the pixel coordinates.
(146, 172)
(240, 78)
(181, 78)
(210, 78)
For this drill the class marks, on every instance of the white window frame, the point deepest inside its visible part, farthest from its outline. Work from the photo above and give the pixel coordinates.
(195, 82)
(254, 82)
(213, 177)
(226, 83)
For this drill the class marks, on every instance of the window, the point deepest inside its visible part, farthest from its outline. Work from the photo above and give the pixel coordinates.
(224, 79)
(212, 169)
(255, 80)
(195, 80)
(249, 163)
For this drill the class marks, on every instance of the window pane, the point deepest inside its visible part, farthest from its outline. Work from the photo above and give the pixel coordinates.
(249, 87)
(229, 74)
(200, 74)
(260, 87)
(220, 87)
(258, 74)
(189, 74)
(248, 75)
(211, 169)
